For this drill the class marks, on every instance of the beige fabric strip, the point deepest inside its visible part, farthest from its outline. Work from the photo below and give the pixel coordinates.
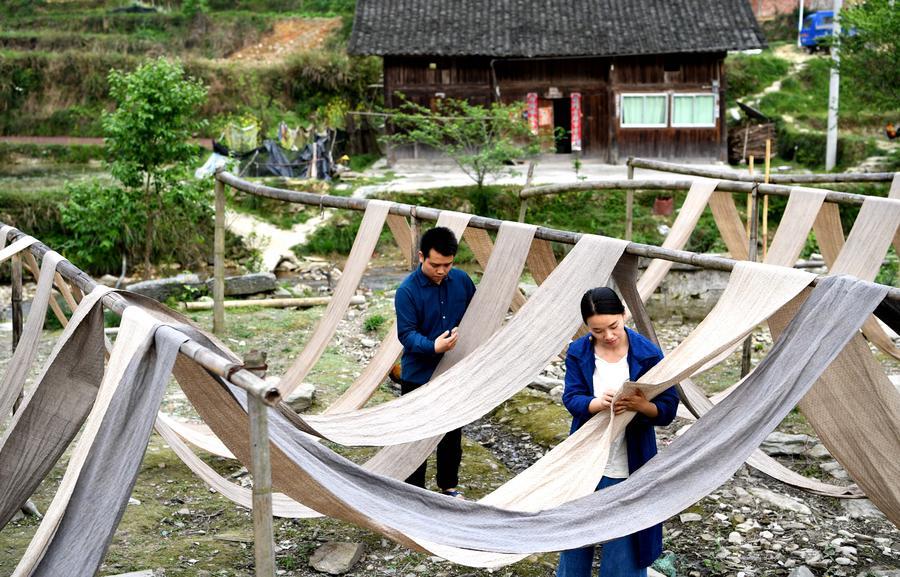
(855, 410)
(694, 204)
(360, 254)
(14, 379)
(16, 247)
(429, 411)
(483, 317)
(403, 236)
(481, 244)
(730, 226)
(31, 264)
(874, 230)
(4, 235)
(894, 193)
(197, 434)
(541, 260)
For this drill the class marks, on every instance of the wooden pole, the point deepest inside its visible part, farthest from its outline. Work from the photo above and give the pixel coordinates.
(416, 227)
(829, 178)
(16, 263)
(750, 197)
(523, 204)
(751, 256)
(765, 211)
(219, 262)
(270, 303)
(629, 206)
(263, 530)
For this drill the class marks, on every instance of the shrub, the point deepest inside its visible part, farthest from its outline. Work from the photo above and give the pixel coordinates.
(749, 74)
(374, 322)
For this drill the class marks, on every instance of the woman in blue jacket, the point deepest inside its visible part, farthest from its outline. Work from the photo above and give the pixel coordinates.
(597, 365)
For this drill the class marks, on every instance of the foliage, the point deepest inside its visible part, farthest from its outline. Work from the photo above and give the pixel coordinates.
(147, 139)
(870, 51)
(483, 141)
(808, 147)
(748, 74)
(102, 224)
(193, 8)
(374, 322)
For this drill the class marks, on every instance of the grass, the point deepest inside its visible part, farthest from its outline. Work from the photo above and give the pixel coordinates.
(748, 74)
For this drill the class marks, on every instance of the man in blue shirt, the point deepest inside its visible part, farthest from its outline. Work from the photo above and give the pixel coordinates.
(429, 304)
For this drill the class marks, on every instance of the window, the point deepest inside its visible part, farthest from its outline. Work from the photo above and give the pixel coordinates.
(694, 110)
(645, 111)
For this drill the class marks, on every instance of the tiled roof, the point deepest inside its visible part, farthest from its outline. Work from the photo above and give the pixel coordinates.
(533, 28)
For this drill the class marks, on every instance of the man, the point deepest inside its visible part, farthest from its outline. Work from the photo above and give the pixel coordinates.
(429, 304)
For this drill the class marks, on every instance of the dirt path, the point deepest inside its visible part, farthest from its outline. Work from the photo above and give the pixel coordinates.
(274, 243)
(289, 36)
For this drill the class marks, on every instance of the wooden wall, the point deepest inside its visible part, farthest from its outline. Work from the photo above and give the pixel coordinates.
(599, 80)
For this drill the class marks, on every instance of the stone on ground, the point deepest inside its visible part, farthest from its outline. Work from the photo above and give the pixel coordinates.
(781, 501)
(336, 558)
(248, 284)
(784, 444)
(302, 398)
(545, 384)
(801, 571)
(861, 509)
(164, 288)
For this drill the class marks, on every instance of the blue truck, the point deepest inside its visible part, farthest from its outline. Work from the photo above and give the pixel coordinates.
(817, 27)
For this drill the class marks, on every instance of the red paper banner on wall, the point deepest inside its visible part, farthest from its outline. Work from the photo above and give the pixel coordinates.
(531, 101)
(576, 121)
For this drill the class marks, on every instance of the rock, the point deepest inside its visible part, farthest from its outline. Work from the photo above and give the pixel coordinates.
(108, 280)
(861, 509)
(843, 561)
(183, 512)
(880, 572)
(302, 397)
(368, 343)
(784, 444)
(248, 284)
(133, 501)
(174, 287)
(835, 469)
(735, 538)
(336, 558)
(546, 384)
(801, 571)
(557, 392)
(282, 293)
(145, 573)
(781, 501)
(818, 452)
(690, 517)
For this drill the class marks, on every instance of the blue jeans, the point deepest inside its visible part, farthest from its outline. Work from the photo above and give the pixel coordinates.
(619, 558)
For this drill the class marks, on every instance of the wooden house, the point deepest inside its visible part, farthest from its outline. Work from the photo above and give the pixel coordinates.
(619, 77)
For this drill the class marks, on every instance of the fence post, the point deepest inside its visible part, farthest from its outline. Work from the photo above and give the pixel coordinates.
(263, 530)
(16, 282)
(219, 261)
(751, 256)
(629, 204)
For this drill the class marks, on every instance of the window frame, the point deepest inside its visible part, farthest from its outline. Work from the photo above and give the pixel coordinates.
(622, 97)
(715, 116)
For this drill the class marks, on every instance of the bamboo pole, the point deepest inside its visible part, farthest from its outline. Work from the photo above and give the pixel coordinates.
(219, 261)
(269, 303)
(829, 178)
(553, 235)
(724, 185)
(629, 206)
(523, 204)
(765, 212)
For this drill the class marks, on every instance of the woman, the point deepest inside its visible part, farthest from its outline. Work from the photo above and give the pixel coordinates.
(597, 365)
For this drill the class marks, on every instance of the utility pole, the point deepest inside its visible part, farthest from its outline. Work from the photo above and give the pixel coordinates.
(834, 88)
(800, 24)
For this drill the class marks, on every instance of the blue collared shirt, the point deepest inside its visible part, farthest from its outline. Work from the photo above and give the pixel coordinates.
(424, 312)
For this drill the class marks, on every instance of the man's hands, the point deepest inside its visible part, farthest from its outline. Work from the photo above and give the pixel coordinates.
(636, 401)
(446, 341)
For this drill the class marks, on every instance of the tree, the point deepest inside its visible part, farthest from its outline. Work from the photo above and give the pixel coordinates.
(870, 51)
(147, 137)
(483, 141)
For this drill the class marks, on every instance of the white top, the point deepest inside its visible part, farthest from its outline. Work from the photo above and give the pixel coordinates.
(612, 376)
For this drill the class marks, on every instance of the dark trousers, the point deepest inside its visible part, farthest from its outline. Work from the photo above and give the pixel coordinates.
(449, 454)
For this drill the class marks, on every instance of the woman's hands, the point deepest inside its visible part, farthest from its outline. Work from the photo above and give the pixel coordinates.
(602, 402)
(637, 402)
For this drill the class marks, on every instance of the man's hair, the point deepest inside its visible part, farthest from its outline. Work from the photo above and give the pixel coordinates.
(441, 239)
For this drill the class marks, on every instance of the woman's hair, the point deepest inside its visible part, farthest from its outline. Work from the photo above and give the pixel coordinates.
(600, 301)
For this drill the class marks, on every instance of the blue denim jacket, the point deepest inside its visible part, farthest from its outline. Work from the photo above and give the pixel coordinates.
(639, 435)
(425, 311)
